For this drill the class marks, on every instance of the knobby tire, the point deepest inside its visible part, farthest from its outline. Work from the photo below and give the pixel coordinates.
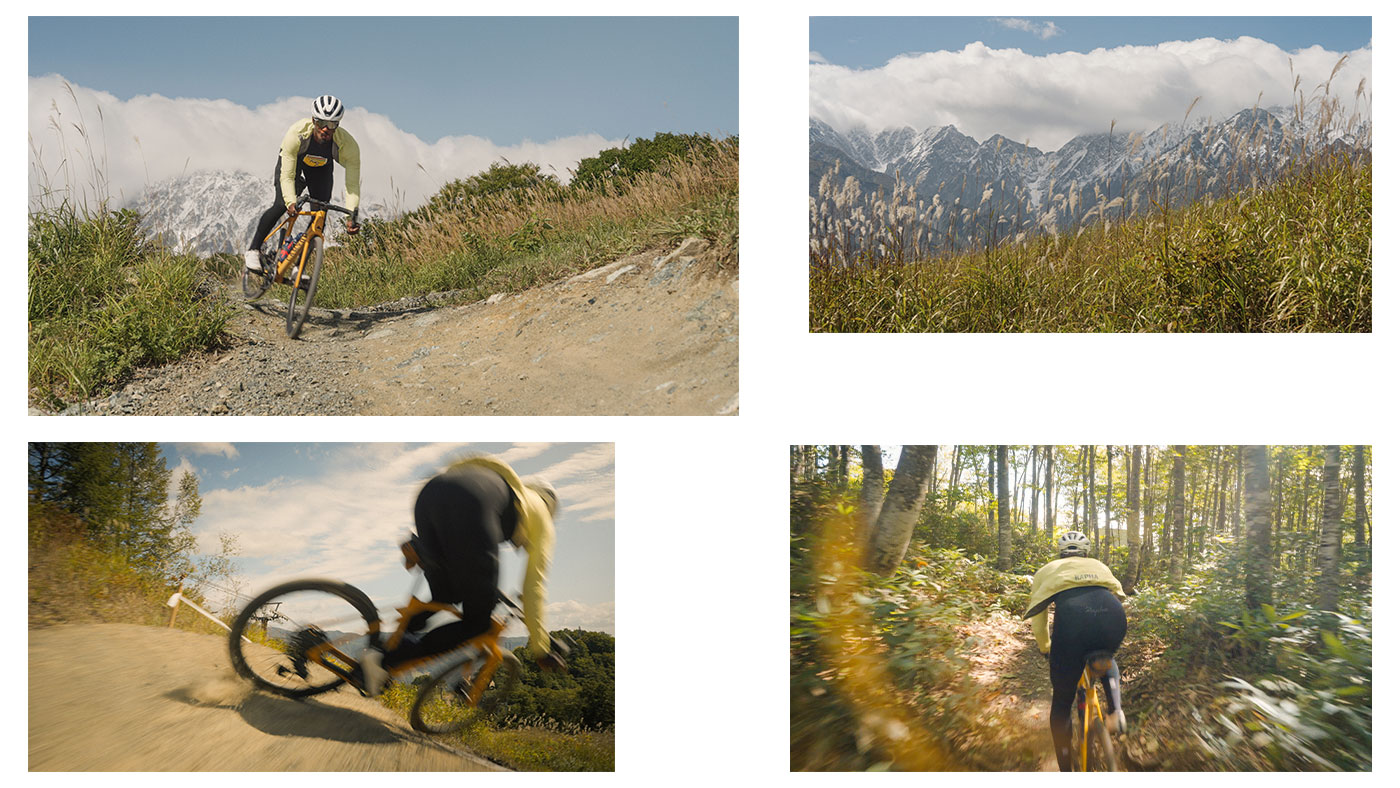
(437, 710)
(1102, 758)
(240, 651)
(296, 316)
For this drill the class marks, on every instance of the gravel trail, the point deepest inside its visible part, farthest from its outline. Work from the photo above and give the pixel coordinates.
(651, 334)
(122, 697)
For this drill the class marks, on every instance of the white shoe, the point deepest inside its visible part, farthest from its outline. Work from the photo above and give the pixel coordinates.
(252, 260)
(1117, 723)
(372, 663)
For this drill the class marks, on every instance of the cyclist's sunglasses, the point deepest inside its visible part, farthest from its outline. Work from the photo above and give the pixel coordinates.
(325, 124)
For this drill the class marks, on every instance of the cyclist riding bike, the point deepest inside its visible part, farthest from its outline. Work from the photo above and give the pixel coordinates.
(462, 516)
(1088, 618)
(309, 150)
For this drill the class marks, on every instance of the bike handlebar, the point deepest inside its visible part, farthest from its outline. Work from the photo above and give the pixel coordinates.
(556, 646)
(324, 206)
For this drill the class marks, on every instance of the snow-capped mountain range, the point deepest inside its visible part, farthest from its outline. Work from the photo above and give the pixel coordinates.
(209, 212)
(954, 166)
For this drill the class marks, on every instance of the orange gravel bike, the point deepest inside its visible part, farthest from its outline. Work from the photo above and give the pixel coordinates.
(294, 260)
(303, 638)
(1091, 749)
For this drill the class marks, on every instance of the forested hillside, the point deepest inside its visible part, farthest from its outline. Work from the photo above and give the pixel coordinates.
(1247, 572)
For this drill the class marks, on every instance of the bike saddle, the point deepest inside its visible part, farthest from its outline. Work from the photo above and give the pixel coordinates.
(1098, 663)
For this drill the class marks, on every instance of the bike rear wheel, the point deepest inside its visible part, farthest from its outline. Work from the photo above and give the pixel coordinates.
(296, 313)
(1102, 758)
(283, 623)
(256, 283)
(442, 705)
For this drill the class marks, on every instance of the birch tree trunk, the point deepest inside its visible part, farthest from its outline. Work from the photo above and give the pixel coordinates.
(872, 490)
(1035, 490)
(1003, 513)
(1258, 566)
(900, 511)
(1330, 548)
(1108, 504)
(1178, 511)
(1358, 477)
(1050, 491)
(1091, 505)
(1134, 494)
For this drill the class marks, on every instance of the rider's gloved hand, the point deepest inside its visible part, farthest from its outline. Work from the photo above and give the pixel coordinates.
(351, 228)
(292, 210)
(551, 663)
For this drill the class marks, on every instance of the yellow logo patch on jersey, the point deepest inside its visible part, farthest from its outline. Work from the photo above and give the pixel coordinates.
(314, 161)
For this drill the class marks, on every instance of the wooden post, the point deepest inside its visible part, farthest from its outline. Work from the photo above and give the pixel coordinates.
(175, 608)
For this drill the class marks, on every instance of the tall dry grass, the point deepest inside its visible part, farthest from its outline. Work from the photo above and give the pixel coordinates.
(510, 241)
(102, 300)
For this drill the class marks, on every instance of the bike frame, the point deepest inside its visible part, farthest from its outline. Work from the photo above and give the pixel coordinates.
(297, 258)
(1093, 710)
(487, 643)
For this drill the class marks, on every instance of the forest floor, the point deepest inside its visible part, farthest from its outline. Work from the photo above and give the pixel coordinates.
(1013, 680)
(1015, 685)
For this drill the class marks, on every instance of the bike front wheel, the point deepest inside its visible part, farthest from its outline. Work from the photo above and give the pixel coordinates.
(443, 705)
(288, 639)
(297, 312)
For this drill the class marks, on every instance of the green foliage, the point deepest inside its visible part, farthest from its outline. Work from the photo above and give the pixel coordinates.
(582, 696)
(1313, 710)
(519, 183)
(558, 722)
(618, 166)
(102, 302)
(901, 632)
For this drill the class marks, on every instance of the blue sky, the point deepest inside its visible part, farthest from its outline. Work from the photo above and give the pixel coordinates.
(866, 42)
(429, 100)
(505, 79)
(1044, 81)
(340, 510)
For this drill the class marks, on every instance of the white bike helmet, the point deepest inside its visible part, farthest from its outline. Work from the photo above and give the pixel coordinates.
(545, 489)
(1073, 543)
(327, 108)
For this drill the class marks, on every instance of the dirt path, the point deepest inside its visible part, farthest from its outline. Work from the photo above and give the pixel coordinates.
(1017, 682)
(121, 697)
(652, 334)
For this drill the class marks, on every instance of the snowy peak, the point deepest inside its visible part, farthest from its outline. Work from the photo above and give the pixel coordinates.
(209, 212)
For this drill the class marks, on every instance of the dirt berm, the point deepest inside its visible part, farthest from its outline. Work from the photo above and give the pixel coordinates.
(652, 334)
(121, 697)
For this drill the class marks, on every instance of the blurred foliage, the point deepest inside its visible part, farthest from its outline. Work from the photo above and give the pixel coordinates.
(880, 676)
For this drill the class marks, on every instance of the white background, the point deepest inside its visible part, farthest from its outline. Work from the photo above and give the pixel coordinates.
(702, 576)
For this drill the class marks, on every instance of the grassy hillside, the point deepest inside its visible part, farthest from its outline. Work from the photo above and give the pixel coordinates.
(74, 579)
(511, 228)
(1295, 256)
(103, 301)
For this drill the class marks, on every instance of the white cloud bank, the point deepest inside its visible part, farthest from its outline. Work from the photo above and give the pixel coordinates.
(148, 139)
(1050, 99)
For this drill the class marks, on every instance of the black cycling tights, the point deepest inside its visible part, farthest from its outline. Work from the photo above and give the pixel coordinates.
(1087, 619)
(461, 517)
(317, 181)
